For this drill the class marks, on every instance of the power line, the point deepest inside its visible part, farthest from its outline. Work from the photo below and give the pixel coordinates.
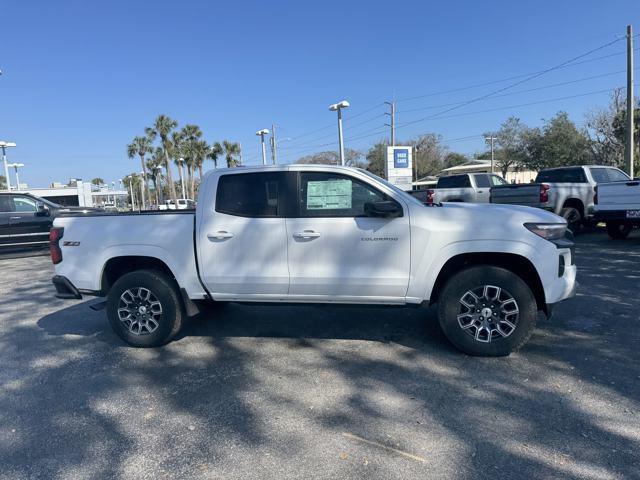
(506, 79)
(521, 91)
(508, 107)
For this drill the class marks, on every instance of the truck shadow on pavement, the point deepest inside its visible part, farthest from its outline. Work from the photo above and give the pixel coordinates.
(248, 391)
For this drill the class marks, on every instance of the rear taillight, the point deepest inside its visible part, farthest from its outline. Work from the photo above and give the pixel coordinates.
(544, 193)
(55, 234)
(595, 195)
(430, 196)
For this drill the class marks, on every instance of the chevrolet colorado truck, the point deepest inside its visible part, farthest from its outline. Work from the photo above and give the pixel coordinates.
(618, 205)
(319, 234)
(566, 191)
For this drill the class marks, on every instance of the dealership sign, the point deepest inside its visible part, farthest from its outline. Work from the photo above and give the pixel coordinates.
(398, 166)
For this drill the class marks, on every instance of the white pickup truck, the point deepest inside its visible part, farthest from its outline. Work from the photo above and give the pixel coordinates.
(618, 205)
(319, 234)
(467, 187)
(566, 191)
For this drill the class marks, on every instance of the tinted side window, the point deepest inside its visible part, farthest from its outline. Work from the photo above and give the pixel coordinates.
(482, 181)
(562, 175)
(333, 195)
(599, 175)
(496, 180)
(251, 194)
(454, 181)
(24, 204)
(6, 204)
(617, 176)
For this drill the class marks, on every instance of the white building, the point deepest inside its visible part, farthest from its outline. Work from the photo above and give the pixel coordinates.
(79, 194)
(514, 174)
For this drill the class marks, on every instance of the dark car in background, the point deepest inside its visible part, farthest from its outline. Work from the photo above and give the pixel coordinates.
(25, 220)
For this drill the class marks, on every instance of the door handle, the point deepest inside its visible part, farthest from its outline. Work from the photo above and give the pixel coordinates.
(15, 218)
(306, 234)
(219, 235)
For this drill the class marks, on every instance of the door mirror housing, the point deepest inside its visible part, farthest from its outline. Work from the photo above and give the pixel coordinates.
(385, 208)
(41, 209)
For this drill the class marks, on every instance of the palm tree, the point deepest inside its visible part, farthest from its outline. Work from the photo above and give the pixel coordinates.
(97, 181)
(141, 146)
(162, 127)
(154, 165)
(214, 153)
(177, 154)
(190, 138)
(231, 150)
(200, 151)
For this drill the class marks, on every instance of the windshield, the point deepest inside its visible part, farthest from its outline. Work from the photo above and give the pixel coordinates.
(405, 196)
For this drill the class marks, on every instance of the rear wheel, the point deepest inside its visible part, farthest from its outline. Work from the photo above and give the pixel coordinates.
(573, 217)
(144, 308)
(619, 230)
(487, 311)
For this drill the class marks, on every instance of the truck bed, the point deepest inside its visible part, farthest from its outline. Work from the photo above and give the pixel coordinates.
(166, 235)
(527, 194)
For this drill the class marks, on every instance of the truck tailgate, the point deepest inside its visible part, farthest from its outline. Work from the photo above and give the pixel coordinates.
(522, 194)
(619, 196)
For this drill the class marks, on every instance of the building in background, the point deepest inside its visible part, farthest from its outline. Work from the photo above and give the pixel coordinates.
(78, 194)
(514, 174)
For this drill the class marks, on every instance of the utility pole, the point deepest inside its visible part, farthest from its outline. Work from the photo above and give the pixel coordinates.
(491, 139)
(392, 104)
(274, 145)
(629, 143)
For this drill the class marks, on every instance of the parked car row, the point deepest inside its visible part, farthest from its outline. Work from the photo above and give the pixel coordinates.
(579, 194)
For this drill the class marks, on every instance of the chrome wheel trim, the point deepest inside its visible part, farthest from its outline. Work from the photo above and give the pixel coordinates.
(487, 313)
(140, 310)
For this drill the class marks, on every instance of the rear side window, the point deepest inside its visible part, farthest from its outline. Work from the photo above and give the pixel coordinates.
(600, 175)
(496, 180)
(251, 194)
(454, 181)
(6, 204)
(616, 175)
(562, 175)
(482, 181)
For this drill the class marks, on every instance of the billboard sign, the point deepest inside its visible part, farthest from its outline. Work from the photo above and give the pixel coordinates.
(398, 166)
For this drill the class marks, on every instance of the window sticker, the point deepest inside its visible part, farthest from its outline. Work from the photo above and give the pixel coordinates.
(329, 194)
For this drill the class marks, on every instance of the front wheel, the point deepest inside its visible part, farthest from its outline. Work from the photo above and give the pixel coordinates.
(144, 308)
(619, 230)
(487, 311)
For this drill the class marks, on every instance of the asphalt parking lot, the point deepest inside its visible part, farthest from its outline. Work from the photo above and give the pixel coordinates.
(321, 392)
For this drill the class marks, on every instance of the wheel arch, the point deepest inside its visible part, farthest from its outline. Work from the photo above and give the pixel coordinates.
(115, 267)
(513, 262)
(575, 203)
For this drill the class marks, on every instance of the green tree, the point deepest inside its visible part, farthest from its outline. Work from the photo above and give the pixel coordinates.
(162, 128)
(556, 144)
(429, 154)
(96, 181)
(3, 182)
(376, 157)
(453, 159)
(510, 145)
(154, 167)
(352, 158)
(141, 146)
(215, 151)
(231, 151)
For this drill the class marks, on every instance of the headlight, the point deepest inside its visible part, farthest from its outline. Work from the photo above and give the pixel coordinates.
(548, 231)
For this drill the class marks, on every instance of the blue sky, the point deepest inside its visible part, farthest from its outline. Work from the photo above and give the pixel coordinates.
(81, 78)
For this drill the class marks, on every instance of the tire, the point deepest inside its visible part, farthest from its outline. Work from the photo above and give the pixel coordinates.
(619, 230)
(462, 325)
(573, 217)
(148, 319)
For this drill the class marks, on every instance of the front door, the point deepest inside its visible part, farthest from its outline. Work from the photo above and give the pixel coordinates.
(243, 245)
(336, 250)
(28, 229)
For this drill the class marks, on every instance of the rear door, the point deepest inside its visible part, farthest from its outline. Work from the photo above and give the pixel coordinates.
(27, 227)
(242, 237)
(483, 187)
(336, 250)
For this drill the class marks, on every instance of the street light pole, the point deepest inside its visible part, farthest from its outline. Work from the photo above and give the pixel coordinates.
(4, 145)
(338, 107)
(261, 134)
(15, 167)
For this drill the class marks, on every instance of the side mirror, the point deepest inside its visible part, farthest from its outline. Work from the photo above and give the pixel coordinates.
(385, 208)
(41, 209)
